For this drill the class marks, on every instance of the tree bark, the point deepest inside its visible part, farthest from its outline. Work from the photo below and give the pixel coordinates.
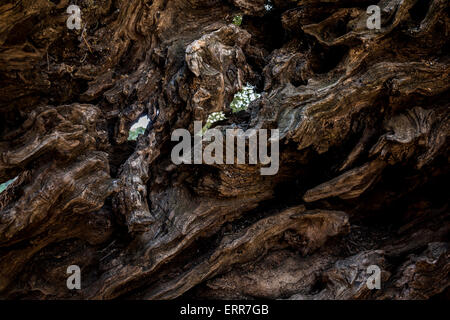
(363, 116)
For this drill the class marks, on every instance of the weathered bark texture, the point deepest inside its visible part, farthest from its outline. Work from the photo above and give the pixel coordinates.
(364, 120)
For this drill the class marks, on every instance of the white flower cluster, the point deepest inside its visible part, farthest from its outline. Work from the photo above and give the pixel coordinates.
(243, 98)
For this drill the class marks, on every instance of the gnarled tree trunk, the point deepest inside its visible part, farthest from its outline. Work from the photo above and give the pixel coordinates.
(363, 116)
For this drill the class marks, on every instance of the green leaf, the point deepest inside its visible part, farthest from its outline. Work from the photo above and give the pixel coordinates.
(237, 20)
(3, 186)
(135, 133)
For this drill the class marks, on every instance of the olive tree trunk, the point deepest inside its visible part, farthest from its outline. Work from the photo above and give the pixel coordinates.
(363, 118)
